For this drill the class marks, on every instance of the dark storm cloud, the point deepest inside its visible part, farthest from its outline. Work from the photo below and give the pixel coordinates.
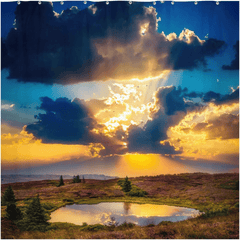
(144, 141)
(64, 122)
(235, 62)
(225, 127)
(173, 99)
(219, 99)
(115, 41)
(172, 107)
(189, 56)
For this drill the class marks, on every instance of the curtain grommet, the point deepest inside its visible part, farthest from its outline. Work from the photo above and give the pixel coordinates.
(154, 3)
(85, 2)
(196, 3)
(172, 2)
(18, 2)
(130, 2)
(107, 2)
(217, 3)
(61, 2)
(39, 2)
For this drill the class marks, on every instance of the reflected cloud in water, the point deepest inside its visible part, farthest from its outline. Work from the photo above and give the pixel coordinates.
(140, 214)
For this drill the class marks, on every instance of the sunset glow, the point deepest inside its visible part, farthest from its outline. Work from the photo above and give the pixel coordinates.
(146, 94)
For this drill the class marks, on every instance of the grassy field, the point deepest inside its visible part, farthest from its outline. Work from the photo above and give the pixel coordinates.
(215, 194)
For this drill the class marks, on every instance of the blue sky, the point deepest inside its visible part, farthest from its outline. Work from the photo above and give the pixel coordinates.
(107, 87)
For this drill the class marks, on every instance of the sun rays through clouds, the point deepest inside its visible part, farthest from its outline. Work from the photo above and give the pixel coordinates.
(120, 82)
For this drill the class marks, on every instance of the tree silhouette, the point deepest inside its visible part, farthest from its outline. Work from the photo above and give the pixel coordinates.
(8, 196)
(83, 179)
(127, 186)
(35, 218)
(76, 179)
(61, 183)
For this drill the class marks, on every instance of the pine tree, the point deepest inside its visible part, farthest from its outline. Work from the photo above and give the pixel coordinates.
(83, 179)
(78, 180)
(13, 212)
(127, 185)
(35, 218)
(61, 183)
(8, 196)
(74, 179)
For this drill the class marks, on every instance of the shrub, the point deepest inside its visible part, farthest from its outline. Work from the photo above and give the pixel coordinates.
(48, 206)
(215, 212)
(120, 182)
(95, 227)
(165, 223)
(137, 192)
(68, 200)
(236, 205)
(126, 225)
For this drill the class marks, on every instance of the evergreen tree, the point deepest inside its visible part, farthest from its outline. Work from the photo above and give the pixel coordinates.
(74, 179)
(78, 180)
(35, 218)
(127, 185)
(61, 183)
(8, 196)
(83, 179)
(13, 212)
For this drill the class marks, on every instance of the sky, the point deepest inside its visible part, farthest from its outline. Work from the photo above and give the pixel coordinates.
(119, 89)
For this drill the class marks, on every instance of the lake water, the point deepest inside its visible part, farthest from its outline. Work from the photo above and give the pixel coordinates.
(140, 214)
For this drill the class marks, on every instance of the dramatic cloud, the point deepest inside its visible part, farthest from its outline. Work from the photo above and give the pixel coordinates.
(219, 99)
(64, 122)
(102, 42)
(225, 127)
(173, 100)
(170, 107)
(71, 122)
(235, 62)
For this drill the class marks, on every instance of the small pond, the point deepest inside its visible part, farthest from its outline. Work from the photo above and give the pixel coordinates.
(140, 214)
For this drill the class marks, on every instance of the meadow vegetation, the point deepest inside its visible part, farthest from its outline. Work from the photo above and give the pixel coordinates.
(217, 195)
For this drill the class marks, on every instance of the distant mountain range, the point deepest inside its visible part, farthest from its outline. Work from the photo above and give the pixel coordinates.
(12, 178)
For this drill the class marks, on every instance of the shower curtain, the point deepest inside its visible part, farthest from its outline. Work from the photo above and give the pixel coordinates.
(112, 110)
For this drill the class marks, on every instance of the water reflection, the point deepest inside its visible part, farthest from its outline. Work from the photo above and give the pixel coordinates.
(126, 207)
(140, 214)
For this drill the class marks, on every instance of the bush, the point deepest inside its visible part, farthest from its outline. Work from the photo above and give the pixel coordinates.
(126, 225)
(120, 182)
(236, 205)
(48, 206)
(94, 228)
(215, 212)
(68, 200)
(137, 192)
